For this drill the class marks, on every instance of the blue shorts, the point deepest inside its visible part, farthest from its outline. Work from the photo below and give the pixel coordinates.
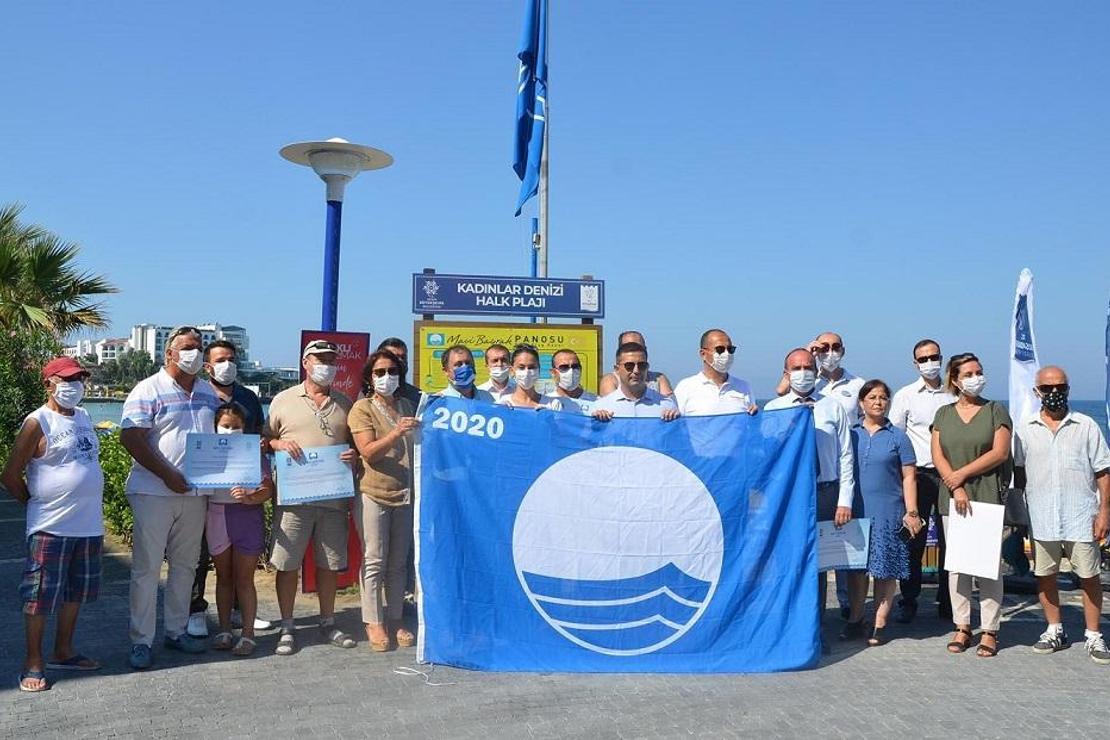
(60, 570)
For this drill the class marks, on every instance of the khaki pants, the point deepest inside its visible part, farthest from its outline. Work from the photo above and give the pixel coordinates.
(990, 597)
(386, 534)
(169, 527)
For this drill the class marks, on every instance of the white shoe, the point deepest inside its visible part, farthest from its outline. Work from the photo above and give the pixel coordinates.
(198, 625)
(264, 624)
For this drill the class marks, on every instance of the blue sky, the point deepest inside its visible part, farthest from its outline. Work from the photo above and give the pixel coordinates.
(777, 169)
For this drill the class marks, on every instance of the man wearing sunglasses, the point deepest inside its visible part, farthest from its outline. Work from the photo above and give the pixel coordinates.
(158, 415)
(713, 390)
(1063, 464)
(912, 410)
(566, 371)
(633, 397)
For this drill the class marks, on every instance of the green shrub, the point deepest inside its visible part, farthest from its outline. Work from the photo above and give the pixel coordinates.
(116, 464)
(22, 355)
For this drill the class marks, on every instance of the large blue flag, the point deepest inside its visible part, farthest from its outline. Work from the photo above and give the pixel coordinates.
(1108, 367)
(555, 542)
(531, 100)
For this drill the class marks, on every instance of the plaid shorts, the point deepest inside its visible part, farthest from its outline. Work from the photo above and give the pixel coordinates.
(59, 569)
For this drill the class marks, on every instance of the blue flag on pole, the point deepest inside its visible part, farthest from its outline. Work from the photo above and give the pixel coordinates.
(1108, 367)
(551, 541)
(531, 100)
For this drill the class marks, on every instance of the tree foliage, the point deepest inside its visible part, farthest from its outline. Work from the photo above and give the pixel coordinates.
(127, 370)
(22, 355)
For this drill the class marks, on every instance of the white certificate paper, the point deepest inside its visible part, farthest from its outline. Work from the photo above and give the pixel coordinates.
(974, 542)
(223, 460)
(320, 476)
(843, 547)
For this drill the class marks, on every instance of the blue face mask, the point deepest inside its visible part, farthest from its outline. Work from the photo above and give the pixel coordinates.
(463, 377)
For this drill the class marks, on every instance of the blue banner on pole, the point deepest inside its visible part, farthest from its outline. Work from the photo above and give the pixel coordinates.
(531, 100)
(555, 542)
(507, 296)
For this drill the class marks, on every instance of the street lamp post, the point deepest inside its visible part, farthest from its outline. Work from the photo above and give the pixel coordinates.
(337, 162)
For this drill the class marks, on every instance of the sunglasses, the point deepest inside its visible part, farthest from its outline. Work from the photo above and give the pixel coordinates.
(720, 349)
(835, 347)
(929, 358)
(1062, 387)
(568, 366)
(630, 366)
(381, 372)
(322, 344)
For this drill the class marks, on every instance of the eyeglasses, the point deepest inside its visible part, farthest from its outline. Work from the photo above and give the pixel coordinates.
(1062, 387)
(720, 349)
(630, 366)
(929, 358)
(834, 347)
(381, 372)
(568, 366)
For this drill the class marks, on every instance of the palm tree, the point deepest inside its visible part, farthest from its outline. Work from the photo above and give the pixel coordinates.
(41, 287)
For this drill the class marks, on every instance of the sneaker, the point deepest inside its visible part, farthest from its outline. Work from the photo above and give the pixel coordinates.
(236, 619)
(906, 612)
(1051, 641)
(139, 657)
(263, 624)
(197, 625)
(1096, 650)
(185, 644)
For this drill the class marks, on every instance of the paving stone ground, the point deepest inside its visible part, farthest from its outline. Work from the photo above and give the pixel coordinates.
(910, 687)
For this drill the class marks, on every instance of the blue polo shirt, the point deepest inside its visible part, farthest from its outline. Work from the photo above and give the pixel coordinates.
(879, 458)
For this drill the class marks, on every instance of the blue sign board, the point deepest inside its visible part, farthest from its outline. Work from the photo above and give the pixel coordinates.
(508, 296)
(1023, 338)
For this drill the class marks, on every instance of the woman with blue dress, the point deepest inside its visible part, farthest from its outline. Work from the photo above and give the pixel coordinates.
(886, 479)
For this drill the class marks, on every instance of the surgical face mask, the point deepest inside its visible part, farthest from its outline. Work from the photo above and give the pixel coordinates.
(1055, 400)
(802, 381)
(722, 361)
(526, 379)
(68, 393)
(386, 384)
(463, 376)
(228, 430)
(829, 361)
(500, 373)
(570, 380)
(974, 385)
(323, 374)
(189, 361)
(225, 372)
(930, 369)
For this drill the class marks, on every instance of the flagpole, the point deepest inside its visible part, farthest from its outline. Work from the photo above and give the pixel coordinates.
(543, 158)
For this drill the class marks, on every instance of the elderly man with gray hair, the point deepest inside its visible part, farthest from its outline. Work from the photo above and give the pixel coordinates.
(1063, 464)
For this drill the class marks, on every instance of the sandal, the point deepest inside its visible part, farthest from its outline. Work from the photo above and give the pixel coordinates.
(405, 638)
(223, 641)
(987, 651)
(878, 637)
(958, 646)
(76, 662)
(287, 645)
(244, 647)
(337, 637)
(34, 675)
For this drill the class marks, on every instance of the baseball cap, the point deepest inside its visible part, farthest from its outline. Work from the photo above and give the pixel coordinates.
(319, 347)
(65, 368)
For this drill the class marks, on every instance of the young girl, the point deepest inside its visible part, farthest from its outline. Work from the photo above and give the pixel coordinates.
(235, 540)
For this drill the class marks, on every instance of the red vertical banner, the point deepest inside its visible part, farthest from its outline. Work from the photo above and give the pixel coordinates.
(354, 348)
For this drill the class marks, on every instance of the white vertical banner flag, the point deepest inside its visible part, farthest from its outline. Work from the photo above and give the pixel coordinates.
(1023, 351)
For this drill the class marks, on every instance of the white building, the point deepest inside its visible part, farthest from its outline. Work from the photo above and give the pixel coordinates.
(111, 349)
(151, 338)
(82, 348)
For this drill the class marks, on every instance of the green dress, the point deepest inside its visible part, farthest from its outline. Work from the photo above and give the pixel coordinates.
(963, 443)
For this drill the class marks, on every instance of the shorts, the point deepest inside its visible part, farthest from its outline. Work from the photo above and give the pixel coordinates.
(60, 570)
(1084, 556)
(235, 525)
(294, 526)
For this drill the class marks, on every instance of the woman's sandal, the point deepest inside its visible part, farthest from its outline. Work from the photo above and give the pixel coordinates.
(243, 647)
(378, 646)
(878, 637)
(956, 646)
(987, 651)
(405, 638)
(223, 641)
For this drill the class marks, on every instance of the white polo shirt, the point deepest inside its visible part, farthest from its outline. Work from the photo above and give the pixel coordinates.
(651, 404)
(162, 407)
(584, 404)
(845, 391)
(912, 410)
(498, 394)
(699, 395)
(834, 441)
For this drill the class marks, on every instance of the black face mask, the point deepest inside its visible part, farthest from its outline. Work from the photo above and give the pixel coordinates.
(1055, 401)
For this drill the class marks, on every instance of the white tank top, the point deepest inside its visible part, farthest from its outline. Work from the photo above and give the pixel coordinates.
(66, 484)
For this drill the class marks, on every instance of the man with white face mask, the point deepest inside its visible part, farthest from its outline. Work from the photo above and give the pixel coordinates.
(912, 410)
(713, 390)
(54, 469)
(501, 383)
(312, 414)
(566, 371)
(158, 415)
(835, 474)
(222, 368)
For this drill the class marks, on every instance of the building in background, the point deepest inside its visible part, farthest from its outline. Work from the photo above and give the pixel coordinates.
(111, 349)
(151, 338)
(83, 348)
